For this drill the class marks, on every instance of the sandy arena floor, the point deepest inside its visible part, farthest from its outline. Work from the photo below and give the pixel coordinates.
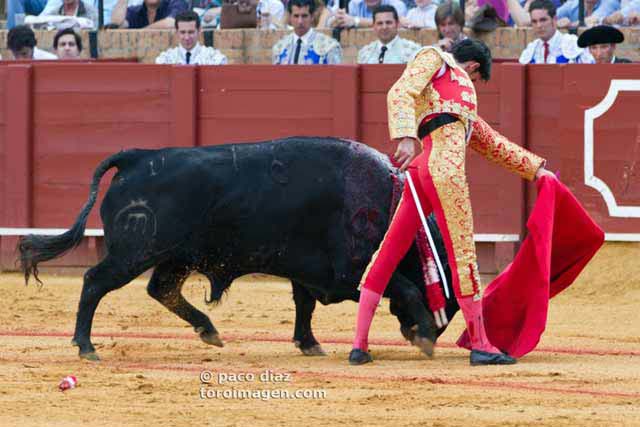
(585, 372)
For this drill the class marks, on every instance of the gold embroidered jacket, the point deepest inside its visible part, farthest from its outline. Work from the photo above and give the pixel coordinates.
(415, 96)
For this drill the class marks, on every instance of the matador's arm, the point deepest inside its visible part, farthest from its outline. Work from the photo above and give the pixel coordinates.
(401, 98)
(498, 149)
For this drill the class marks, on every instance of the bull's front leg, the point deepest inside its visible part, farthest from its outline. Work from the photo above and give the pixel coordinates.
(303, 335)
(408, 305)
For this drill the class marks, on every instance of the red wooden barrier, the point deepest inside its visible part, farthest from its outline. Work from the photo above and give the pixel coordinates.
(558, 97)
(83, 113)
(17, 210)
(247, 104)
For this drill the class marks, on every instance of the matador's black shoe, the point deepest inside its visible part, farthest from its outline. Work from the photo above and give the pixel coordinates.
(478, 357)
(359, 357)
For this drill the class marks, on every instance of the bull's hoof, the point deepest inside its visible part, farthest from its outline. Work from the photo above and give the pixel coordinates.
(424, 344)
(409, 334)
(211, 338)
(315, 350)
(87, 353)
(91, 356)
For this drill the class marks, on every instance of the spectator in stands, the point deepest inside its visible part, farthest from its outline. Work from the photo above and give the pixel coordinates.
(421, 16)
(305, 45)
(67, 44)
(519, 12)
(450, 22)
(470, 9)
(22, 7)
(361, 13)
(189, 50)
(551, 46)
(208, 11)
(21, 41)
(323, 15)
(601, 41)
(53, 6)
(389, 48)
(270, 14)
(79, 8)
(629, 14)
(594, 12)
(150, 14)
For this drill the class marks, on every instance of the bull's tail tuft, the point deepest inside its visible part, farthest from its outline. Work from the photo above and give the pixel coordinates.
(34, 249)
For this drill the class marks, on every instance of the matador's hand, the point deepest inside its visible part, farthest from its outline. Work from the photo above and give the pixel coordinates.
(543, 172)
(405, 153)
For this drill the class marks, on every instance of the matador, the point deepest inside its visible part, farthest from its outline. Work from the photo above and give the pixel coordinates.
(434, 102)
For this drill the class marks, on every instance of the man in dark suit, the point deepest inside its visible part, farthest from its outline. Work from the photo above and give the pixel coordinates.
(601, 41)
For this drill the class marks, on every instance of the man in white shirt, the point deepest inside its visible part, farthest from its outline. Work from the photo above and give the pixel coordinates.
(551, 46)
(189, 50)
(21, 41)
(304, 45)
(389, 48)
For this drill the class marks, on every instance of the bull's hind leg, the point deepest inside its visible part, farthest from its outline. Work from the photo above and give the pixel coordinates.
(303, 336)
(105, 277)
(165, 286)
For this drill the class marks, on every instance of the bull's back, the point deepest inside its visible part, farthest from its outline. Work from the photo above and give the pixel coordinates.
(166, 194)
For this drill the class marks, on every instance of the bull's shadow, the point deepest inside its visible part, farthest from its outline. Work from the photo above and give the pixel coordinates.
(312, 210)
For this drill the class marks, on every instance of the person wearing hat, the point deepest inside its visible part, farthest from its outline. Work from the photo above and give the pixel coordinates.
(601, 41)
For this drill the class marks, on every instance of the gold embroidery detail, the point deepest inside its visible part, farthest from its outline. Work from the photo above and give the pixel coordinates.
(413, 97)
(468, 97)
(447, 168)
(462, 78)
(498, 149)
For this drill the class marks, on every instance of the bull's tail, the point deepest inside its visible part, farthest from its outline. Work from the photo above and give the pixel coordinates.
(34, 249)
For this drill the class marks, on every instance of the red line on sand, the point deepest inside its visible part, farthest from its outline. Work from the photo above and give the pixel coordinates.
(269, 338)
(383, 378)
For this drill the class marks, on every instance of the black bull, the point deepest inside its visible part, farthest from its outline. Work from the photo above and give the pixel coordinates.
(312, 210)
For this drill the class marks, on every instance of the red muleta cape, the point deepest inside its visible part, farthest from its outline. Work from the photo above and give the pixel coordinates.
(562, 238)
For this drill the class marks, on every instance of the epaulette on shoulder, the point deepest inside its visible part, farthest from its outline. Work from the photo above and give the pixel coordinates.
(322, 44)
(282, 43)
